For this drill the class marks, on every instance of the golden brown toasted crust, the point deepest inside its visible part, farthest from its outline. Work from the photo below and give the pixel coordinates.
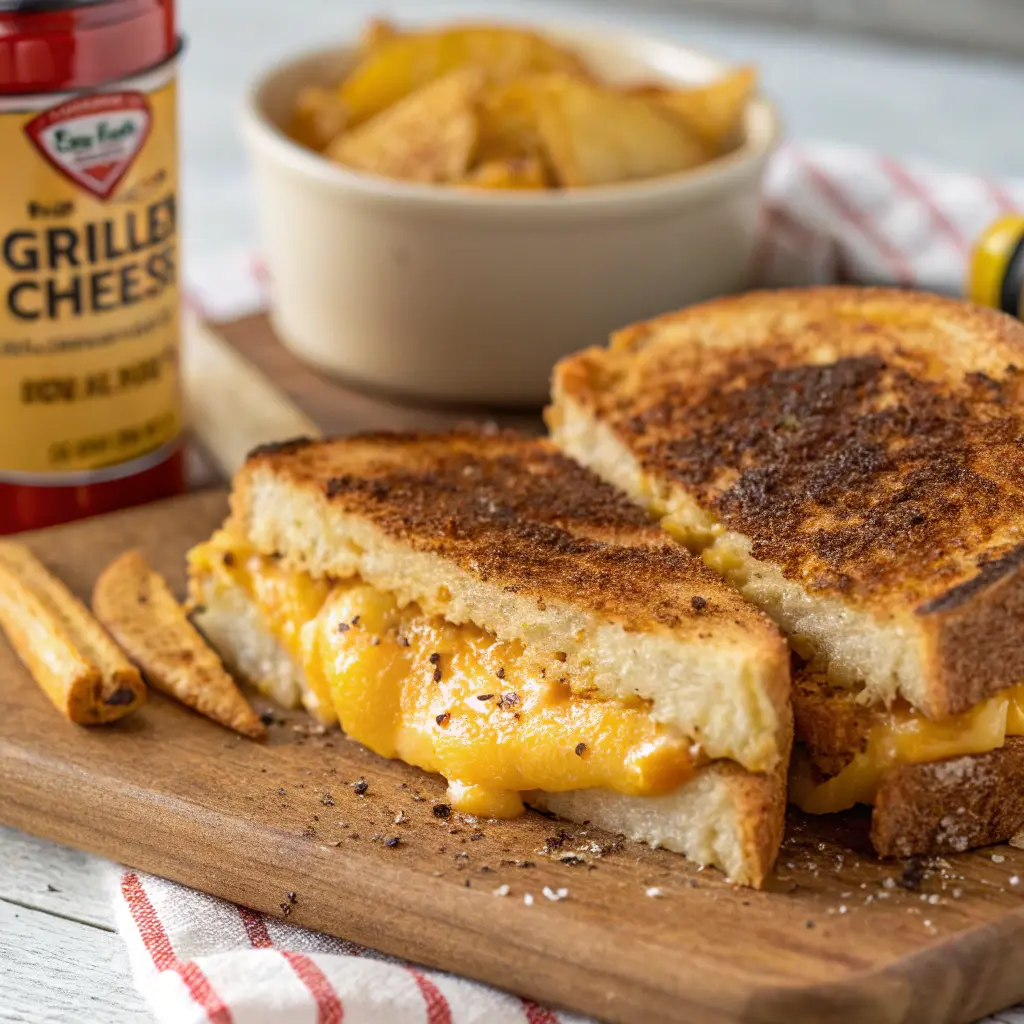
(761, 801)
(833, 427)
(516, 512)
(869, 442)
(830, 723)
(951, 806)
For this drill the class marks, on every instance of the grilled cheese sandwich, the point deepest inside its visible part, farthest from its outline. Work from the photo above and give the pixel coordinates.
(479, 606)
(851, 461)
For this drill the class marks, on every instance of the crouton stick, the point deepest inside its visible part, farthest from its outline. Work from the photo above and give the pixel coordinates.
(135, 603)
(71, 657)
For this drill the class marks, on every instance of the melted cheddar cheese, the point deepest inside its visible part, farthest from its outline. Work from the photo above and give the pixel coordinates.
(905, 737)
(490, 717)
(902, 736)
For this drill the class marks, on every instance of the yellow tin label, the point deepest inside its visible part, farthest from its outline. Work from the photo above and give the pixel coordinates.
(89, 320)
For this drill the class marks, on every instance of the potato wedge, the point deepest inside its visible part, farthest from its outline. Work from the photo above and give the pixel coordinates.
(408, 61)
(77, 665)
(508, 118)
(596, 136)
(137, 606)
(319, 117)
(429, 136)
(376, 33)
(516, 173)
(714, 111)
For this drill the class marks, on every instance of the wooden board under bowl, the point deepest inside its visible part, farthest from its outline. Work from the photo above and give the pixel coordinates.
(837, 936)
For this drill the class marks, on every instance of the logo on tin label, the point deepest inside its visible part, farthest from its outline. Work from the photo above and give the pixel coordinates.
(93, 140)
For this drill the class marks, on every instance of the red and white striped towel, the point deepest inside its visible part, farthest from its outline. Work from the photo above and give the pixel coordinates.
(831, 214)
(201, 960)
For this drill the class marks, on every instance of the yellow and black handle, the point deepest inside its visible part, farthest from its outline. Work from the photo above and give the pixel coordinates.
(995, 273)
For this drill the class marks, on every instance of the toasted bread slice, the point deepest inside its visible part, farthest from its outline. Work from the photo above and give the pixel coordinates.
(951, 805)
(850, 459)
(506, 533)
(723, 816)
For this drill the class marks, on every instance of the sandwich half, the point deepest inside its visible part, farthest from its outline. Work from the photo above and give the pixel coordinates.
(478, 605)
(852, 461)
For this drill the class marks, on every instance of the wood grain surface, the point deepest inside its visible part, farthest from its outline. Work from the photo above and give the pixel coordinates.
(837, 936)
(338, 408)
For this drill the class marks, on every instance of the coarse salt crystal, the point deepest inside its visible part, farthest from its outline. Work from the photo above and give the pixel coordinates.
(842, 909)
(528, 898)
(502, 890)
(997, 858)
(653, 892)
(554, 894)
(1014, 879)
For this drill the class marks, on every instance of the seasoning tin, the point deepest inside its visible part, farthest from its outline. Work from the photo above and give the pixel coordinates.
(90, 403)
(996, 268)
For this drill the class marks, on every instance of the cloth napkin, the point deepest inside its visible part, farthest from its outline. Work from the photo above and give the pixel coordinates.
(831, 214)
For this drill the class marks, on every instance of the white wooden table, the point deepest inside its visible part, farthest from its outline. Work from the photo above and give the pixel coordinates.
(60, 958)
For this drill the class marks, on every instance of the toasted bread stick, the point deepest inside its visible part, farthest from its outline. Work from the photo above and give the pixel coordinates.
(135, 603)
(68, 652)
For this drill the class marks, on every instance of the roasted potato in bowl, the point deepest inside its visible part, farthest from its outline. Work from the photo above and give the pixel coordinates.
(517, 241)
(449, 105)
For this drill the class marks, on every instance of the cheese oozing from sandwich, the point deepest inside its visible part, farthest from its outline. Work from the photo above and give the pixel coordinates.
(904, 736)
(901, 735)
(493, 718)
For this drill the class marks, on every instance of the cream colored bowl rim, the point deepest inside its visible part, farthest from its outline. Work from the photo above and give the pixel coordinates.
(720, 174)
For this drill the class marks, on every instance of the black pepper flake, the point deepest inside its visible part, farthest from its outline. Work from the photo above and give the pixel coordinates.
(391, 842)
(442, 810)
(476, 836)
(375, 641)
(327, 800)
(361, 786)
(437, 675)
(911, 876)
(508, 700)
(808, 924)
(435, 658)
(355, 621)
(403, 641)
(442, 718)
(228, 558)
(500, 673)
(485, 696)
(572, 859)
(580, 748)
(343, 627)
(285, 909)
(293, 897)
(280, 791)
(698, 604)
(267, 717)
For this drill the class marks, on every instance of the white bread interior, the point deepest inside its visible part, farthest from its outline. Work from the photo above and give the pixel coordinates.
(879, 656)
(724, 817)
(724, 686)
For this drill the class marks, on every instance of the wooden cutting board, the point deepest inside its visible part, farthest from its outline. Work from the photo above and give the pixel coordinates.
(836, 937)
